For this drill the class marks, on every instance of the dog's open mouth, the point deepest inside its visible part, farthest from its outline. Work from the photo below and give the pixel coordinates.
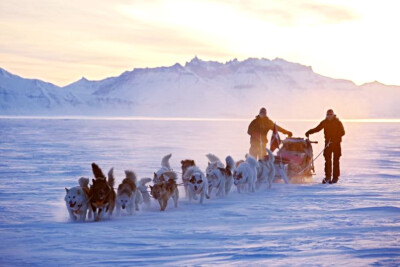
(79, 209)
(71, 205)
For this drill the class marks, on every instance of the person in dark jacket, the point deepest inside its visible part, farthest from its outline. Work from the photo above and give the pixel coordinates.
(258, 130)
(333, 131)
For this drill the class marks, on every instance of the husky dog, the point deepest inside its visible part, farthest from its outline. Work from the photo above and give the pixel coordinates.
(221, 178)
(163, 191)
(198, 183)
(77, 200)
(128, 194)
(266, 170)
(102, 193)
(214, 162)
(185, 165)
(143, 189)
(165, 172)
(246, 174)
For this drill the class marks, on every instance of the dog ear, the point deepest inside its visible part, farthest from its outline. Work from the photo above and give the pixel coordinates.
(93, 181)
(67, 190)
(181, 161)
(192, 161)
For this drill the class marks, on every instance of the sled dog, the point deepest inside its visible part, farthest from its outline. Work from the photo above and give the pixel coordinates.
(221, 178)
(198, 183)
(246, 174)
(214, 162)
(165, 172)
(185, 165)
(77, 200)
(266, 170)
(128, 194)
(102, 193)
(163, 191)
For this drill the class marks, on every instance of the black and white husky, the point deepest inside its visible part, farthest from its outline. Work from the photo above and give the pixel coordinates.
(221, 178)
(266, 170)
(198, 184)
(165, 172)
(77, 200)
(129, 194)
(246, 174)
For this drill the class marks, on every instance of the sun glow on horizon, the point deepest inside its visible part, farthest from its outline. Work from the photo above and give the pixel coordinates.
(60, 42)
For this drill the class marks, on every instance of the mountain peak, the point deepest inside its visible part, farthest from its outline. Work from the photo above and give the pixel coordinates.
(4, 73)
(374, 83)
(194, 61)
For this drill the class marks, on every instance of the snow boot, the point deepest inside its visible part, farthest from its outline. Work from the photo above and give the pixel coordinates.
(326, 180)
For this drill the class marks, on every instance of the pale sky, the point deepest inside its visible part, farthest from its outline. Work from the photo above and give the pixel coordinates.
(61, 41)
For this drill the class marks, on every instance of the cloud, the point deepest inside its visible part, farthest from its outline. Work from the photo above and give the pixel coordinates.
(291, 13)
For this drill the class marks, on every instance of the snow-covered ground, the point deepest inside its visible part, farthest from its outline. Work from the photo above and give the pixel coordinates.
(353, 223)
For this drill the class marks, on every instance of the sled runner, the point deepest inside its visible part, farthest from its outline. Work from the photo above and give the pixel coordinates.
(294, 160)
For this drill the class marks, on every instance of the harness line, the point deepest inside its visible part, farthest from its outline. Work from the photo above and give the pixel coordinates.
(312, 162)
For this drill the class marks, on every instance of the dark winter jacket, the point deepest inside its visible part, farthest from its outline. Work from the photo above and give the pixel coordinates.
(260, 127)
(333, 130)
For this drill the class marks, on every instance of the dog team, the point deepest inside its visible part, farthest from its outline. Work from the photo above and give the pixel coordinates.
(100, 199)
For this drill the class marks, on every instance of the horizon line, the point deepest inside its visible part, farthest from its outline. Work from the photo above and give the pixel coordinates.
(144, 118)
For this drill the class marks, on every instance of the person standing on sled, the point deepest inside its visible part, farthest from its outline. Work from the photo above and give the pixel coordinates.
(258, 130)
(333, 131)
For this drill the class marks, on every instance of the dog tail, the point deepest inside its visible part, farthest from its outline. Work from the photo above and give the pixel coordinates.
(212, 158)
(230, 163)
(144, 181)
(251, 160)
(83, 182)
(97, 172)
(271, 157)
(165, 161)
(111, 178)
(131, 176)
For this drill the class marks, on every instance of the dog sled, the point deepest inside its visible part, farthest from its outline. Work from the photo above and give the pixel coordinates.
(294, 161)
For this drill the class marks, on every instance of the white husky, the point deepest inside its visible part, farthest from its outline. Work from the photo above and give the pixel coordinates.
(76, 200)
(266, 170)
(165, 172)
(214, 162)
(221, 178)
(129, 193)
(246, 174)
(143, 189)
(198, 184)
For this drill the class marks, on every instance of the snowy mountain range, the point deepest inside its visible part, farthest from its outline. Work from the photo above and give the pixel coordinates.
(235, 89)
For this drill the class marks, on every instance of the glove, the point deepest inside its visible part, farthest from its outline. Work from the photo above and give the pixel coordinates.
(307, 134)
(290, 134)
